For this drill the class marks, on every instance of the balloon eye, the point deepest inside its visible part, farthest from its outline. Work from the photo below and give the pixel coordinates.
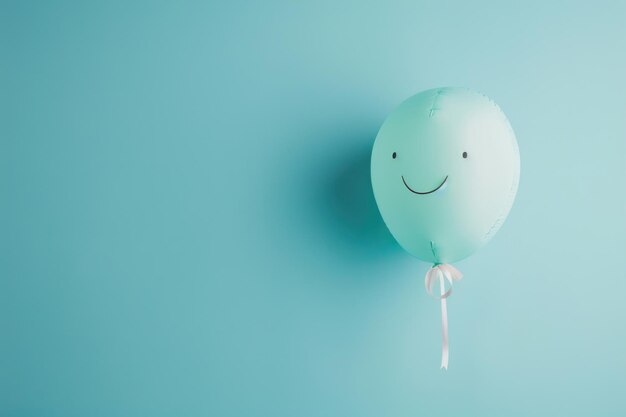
(464, 154)
(393, 155)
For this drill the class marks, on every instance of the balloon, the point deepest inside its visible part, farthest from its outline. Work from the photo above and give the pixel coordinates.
(445, 170)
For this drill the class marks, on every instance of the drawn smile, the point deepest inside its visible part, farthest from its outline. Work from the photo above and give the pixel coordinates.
(426, 192)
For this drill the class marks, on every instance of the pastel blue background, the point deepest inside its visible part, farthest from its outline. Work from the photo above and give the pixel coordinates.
(187, 226)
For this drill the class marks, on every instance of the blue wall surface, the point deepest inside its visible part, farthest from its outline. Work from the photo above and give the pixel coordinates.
(187, 226)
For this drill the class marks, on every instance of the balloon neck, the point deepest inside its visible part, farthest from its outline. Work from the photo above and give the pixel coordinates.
(433, 249)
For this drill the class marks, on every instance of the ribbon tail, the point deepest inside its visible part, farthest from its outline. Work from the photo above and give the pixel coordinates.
(444, 324)
(443, 273)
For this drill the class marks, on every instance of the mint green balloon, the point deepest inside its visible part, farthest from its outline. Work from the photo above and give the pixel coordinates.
(445, 170)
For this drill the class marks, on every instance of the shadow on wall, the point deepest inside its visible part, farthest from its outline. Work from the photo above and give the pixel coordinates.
(338, 204)
(351, 207)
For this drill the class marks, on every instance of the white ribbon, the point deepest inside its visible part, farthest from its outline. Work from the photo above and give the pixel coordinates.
(442, 272)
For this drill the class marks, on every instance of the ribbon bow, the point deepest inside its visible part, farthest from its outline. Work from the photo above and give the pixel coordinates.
(443, 272)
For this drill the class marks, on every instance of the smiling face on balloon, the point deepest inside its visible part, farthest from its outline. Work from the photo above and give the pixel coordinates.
(445, 170)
